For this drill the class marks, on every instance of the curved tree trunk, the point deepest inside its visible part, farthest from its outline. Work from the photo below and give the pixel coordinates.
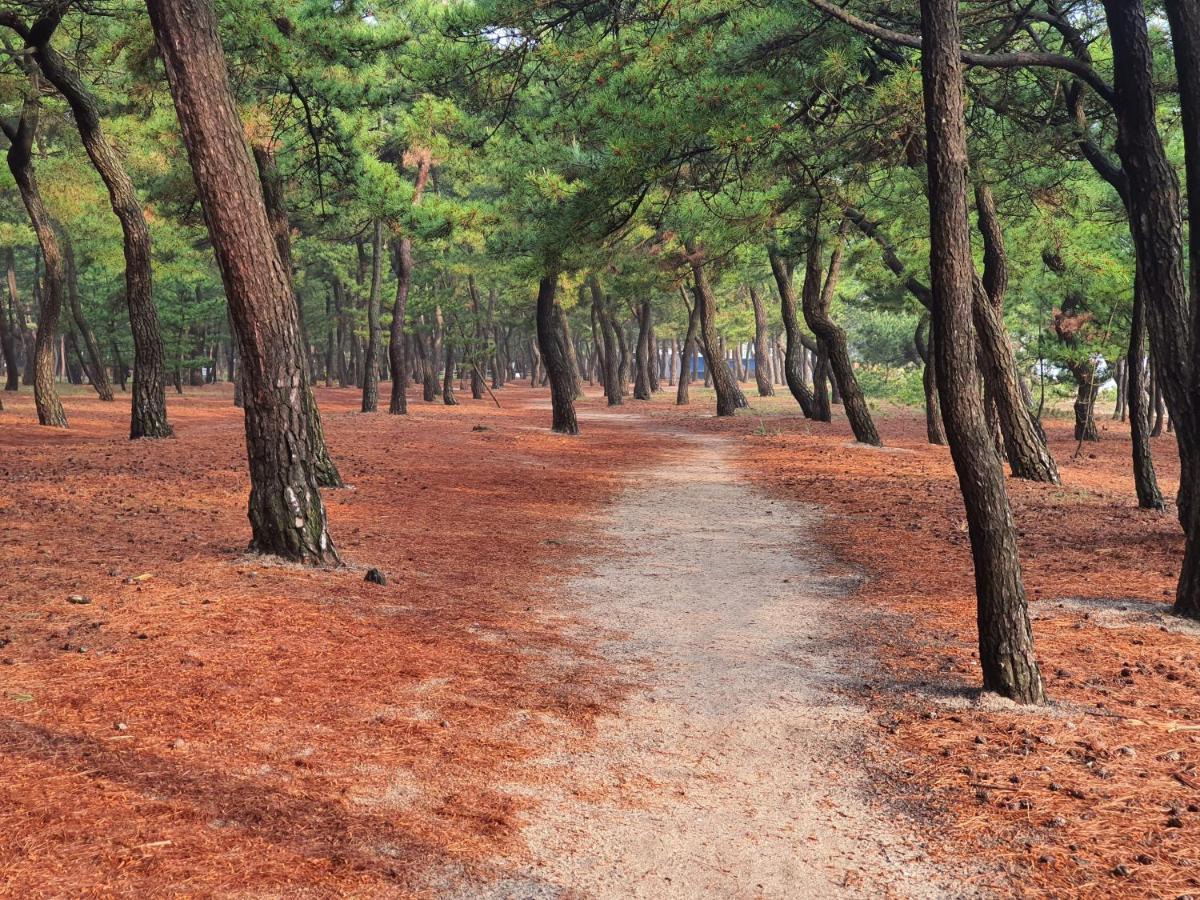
(20, 162)
(816, 300)
(149, 409)
(552, 344)
(923, 341)
(611, 373)
(762, 361)
(687, 358)
(94, 363)
(287, 516)
(1005, 634)
(793, 356)
(1028, 456)
(729, 396)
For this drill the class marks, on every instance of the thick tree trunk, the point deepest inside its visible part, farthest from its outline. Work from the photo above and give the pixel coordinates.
(448, 398)
(822, 407)
(762, 359)
(398, 337)
(551, 340)
(729, 395)
(793, 358)
(1005, 634)
(149, 409)
(1087, 389)
(816, 300)
(20, 162)
(287, 516)
(94, 362)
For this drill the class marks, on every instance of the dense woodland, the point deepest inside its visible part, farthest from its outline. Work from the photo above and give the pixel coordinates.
(979, 208)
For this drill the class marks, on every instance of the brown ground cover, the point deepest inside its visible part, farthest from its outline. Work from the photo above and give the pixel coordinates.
(1098, 796)
(209, 724)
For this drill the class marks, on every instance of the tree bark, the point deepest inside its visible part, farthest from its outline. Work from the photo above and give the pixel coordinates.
(149, 409)
(286, 514)
(687, 359)
(641, 383)
(793, 357)
(611, 373)
(20, 162)
(94, 362)
(762, 360)
(1145, 481)
(729, 396)
(551, 342)
(8, 344)
(370, 396)
(1005, 634)
(923, 340)
(816, 300)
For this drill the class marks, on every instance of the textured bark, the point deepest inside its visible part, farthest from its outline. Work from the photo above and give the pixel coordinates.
(641, 383)
(8, 312)
(370, 396)
(793, 357)
(480, 342)
(551, 342)
(1005, 635)
(1028, 456)
(448, 398)
(816, 299)
(688, 357)
(20, 162)
(398, 339)
(149, 408)
(729, 395)
(1145, 481)
(286, 514)
(94, 362)
(762, 361)
(923, 341)
(611, 373)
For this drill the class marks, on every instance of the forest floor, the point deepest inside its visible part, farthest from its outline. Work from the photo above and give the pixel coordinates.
(587, 668)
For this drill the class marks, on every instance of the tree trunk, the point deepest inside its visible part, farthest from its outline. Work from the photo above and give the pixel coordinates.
(287, 516)
(729, 395)
(762, 359)
(933, 412)
(8, 344)
(370, 397)
(611, 374)
(1145, 481)
(1005, 634)
(94, 362)
(793, 358)
(641, 386)
(816, 300)
(149, 409)
(1022, 441)
(551, 340)
(688, 357)
(20, 162)
(448, 397)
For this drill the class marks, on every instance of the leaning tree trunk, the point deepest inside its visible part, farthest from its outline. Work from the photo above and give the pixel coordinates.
(923, 340)
(273, 199)
(286, 514)
(149, 410)
(729, 395)
(816, 300)
(94, 363)
(762, 361)
(20, 162)
(793, 356)
(1024, 445)
(370, 396)
(822, 407)
(611, 371)
(1005, 634)
(551, 342)
(688, 354)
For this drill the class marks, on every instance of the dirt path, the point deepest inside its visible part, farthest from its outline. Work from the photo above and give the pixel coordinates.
(731, 770)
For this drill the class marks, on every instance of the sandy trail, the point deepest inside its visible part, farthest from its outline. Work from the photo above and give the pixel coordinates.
(732, 769)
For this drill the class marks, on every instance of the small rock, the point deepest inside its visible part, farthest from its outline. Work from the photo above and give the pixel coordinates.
(79, 599)
(1174, 822)
(1122, 871)
(480, 428)
(1144, 859)
(1127, 751)
(121, 726)
(375, 577)
(980, 739)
